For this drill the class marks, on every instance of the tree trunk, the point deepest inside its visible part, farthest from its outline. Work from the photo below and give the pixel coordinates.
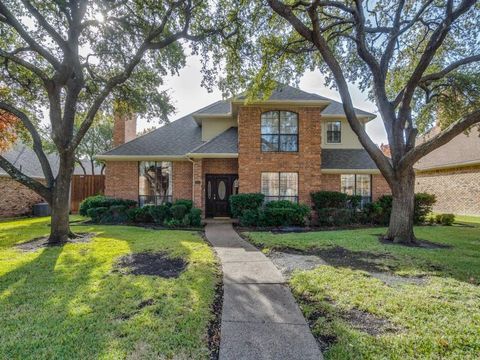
(60, 204)
(400, 229)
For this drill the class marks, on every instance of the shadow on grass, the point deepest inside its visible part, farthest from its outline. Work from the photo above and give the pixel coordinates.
(67, 303)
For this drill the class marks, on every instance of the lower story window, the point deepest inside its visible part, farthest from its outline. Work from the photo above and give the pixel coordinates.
(357, 184)
(280, 186)
(154, 182)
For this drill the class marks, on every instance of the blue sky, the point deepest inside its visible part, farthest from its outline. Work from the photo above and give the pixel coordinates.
(188, 96)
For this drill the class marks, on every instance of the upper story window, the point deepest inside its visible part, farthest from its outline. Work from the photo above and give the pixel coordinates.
(334, 132)
(279, 131)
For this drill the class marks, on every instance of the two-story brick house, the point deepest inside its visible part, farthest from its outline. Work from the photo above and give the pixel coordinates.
(285, 147)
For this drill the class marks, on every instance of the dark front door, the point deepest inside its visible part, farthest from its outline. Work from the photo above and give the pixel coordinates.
(218, 189)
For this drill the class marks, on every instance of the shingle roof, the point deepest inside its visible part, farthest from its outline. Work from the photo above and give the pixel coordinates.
(347, 159)
(24, 159)
(219, 107)
(336, 108)
(224, 143)
(287, 92)
(462, 149)
(177, 138)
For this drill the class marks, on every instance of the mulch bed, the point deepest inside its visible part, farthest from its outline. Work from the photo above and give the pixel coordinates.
(42, 242)
(302, 229)
(340, 257)
(357, 319)
(149, 263)
(215, 324)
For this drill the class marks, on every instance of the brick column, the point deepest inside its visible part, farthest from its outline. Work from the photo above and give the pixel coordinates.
(198, 183)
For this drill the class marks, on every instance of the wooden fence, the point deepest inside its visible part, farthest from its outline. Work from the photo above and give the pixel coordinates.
(84, 186)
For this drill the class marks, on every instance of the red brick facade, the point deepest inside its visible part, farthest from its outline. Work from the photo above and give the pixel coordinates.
(188, 177)
(121, 179)
(306, 162)
(182, 175)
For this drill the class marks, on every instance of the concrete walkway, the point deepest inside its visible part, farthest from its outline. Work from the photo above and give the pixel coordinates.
(260, 318)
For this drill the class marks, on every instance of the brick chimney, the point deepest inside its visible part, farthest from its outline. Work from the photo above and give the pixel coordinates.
(124, 124)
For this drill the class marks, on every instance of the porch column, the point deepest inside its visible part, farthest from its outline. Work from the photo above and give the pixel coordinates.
(198, 183)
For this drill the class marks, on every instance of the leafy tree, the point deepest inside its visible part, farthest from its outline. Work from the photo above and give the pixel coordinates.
(419, 61)
(8, 130)
(66, 60)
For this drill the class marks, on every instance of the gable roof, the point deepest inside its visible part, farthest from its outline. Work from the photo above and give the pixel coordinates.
(24, 159)
(224, 143)
(462, 150)
(184, 136)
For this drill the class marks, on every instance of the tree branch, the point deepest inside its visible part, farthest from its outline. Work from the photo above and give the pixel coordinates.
(37, 142)
(31, 183)
(37, 71)
(415, 154)
(11, 20)
(453, 66)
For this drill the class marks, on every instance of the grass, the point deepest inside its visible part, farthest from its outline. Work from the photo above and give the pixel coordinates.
(67, 303)
(438, 319)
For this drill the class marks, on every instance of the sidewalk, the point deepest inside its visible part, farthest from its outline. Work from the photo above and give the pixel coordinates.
(260, 318)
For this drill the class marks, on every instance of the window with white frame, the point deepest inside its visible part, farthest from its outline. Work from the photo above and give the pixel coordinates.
(357, 184)
(334, 132)
(154, 182)
(280, 186)
(279, 131)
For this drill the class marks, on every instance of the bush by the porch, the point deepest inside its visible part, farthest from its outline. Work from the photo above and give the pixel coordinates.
(241, 202)
(98, 201)
(177, 215)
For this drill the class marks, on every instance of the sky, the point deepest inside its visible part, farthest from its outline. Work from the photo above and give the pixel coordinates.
(188, 96)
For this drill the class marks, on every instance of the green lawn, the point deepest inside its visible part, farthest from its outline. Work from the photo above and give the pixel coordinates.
(67, 303)
(437, 319)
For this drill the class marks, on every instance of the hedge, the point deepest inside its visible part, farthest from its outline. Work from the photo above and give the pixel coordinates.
(103, 201)
(329, 199)
(241, 202)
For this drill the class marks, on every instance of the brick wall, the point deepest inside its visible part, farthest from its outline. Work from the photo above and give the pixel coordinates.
(457, 190)
(16, 198)
(379, 186)
(306, 162)
(182, 179)
(121, 179)
(330, 182)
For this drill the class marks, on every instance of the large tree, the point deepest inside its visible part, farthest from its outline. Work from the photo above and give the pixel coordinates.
(419, 61)
(62, 61)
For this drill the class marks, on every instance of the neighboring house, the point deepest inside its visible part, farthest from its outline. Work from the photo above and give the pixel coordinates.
(452, 173)
(285, 147)
(16, 199)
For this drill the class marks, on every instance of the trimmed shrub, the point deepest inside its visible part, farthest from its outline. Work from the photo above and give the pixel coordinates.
(249, 217)
(241, 202)
(185, 202)
(445, 219)
(96, 214)
(173, 223)
(178, 212)
(354, 201)
(103, 201)
(285, 213)
(423, 206)
(116, 214)
(329, 199)
(195, 217)
(335, 216)
(379, 211)
(140, 215)
(159, 213)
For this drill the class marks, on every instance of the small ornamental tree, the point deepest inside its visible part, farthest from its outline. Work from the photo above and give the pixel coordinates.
(63, 61)
(419, 61)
